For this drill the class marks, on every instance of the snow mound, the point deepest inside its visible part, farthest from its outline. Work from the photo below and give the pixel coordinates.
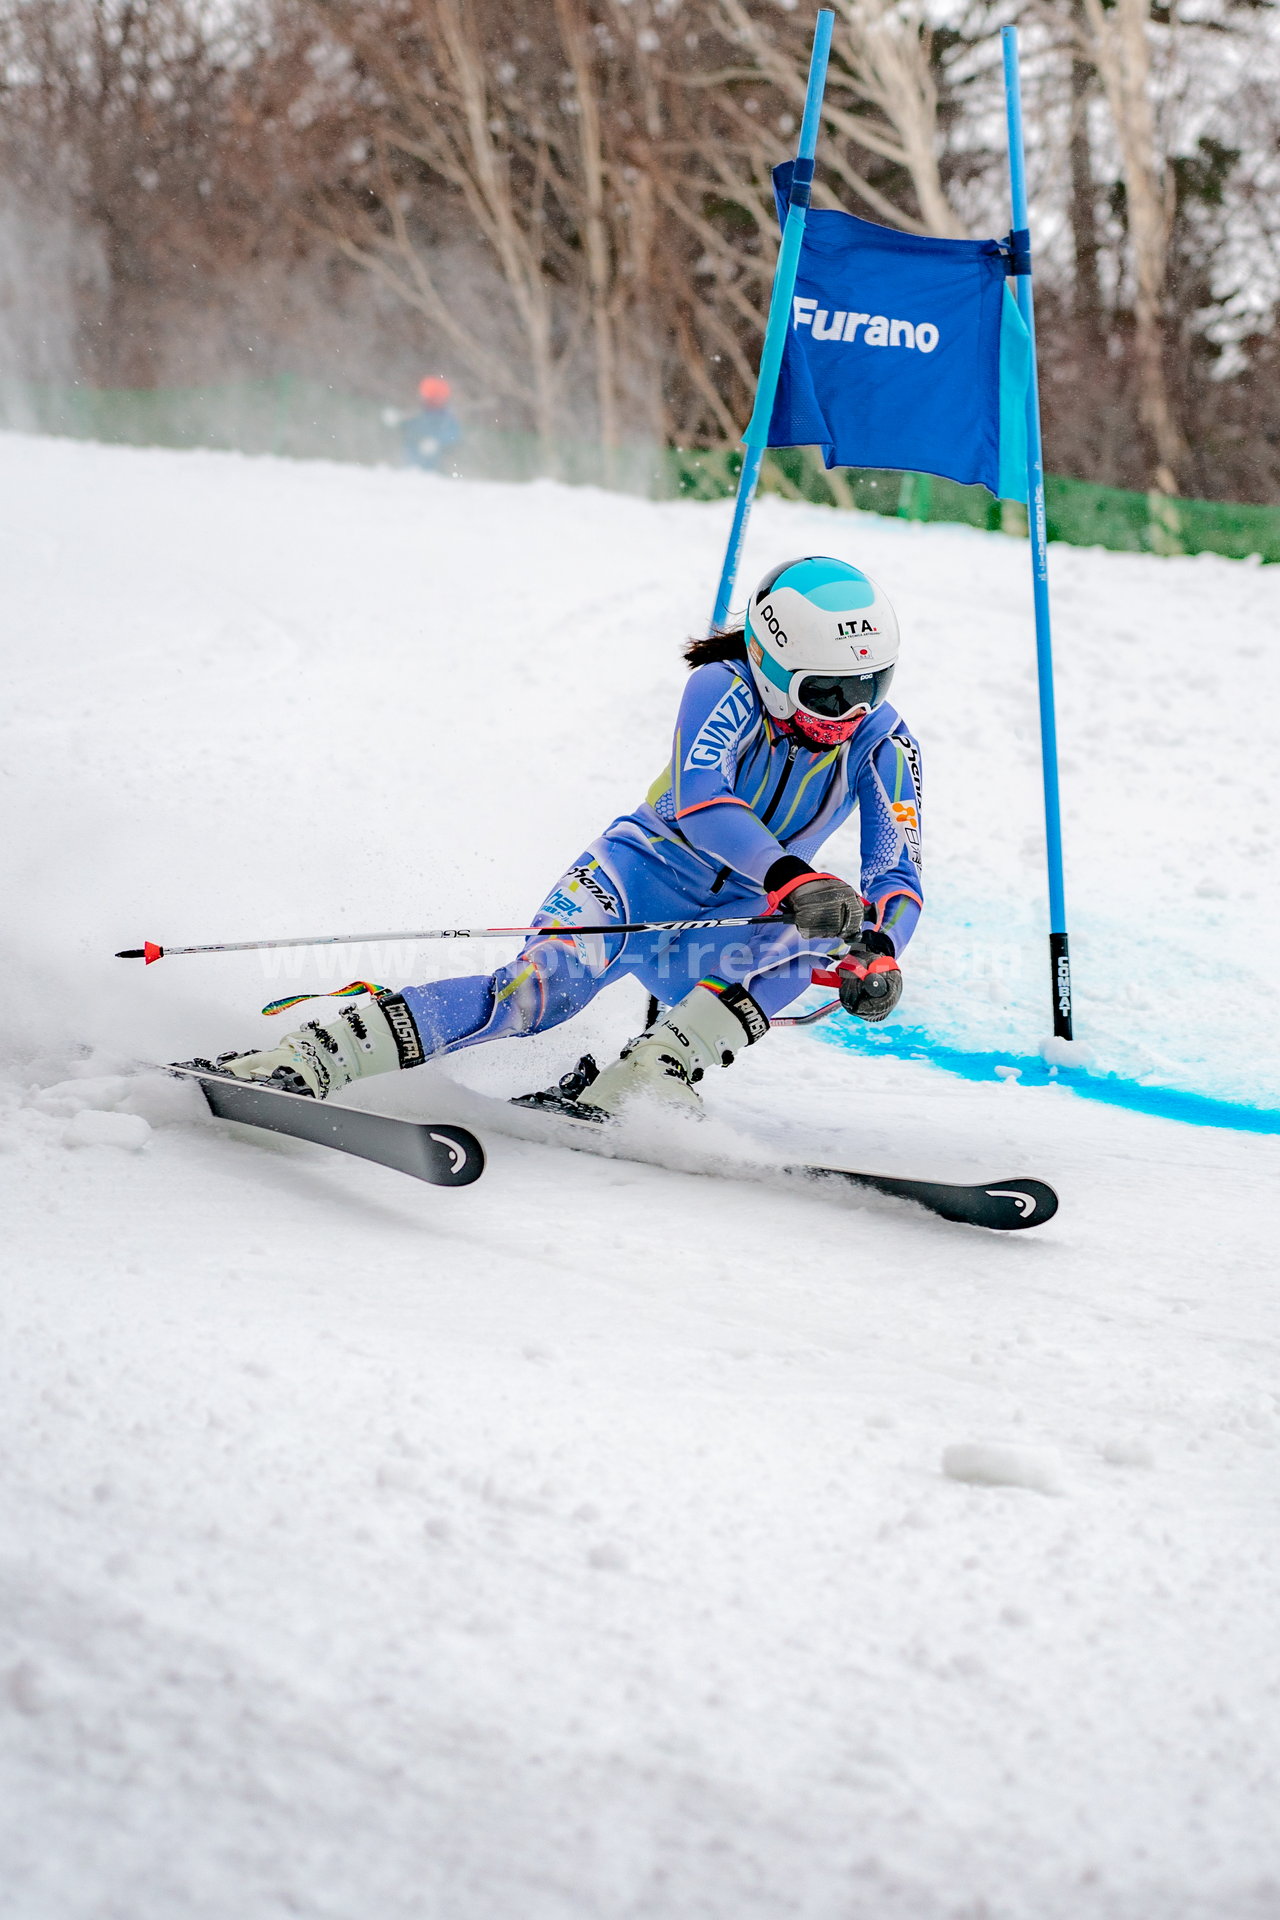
(983, 1464)
(91, 1128)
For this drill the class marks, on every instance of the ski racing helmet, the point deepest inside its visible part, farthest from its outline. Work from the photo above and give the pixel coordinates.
(434, 391)
(822, 641)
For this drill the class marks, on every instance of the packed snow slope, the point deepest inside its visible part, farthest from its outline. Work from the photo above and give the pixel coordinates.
(590, 1542)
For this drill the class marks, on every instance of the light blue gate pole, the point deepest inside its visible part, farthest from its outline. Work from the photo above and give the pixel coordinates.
(756, 437)
(1059, 957)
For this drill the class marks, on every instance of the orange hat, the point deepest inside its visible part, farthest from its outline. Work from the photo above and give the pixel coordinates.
(434, 391)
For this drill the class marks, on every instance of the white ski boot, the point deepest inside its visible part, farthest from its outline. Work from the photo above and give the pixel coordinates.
(704, 1030)
(377, 1036)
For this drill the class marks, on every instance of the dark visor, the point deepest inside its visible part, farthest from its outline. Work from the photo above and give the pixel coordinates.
(835, 694)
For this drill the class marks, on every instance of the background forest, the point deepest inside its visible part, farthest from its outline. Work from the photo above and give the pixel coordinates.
(564, 205)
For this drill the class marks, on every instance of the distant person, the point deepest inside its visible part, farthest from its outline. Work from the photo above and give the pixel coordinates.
(429, 433)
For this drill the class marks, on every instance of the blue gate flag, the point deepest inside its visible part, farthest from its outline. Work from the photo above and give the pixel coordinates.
(904, 351)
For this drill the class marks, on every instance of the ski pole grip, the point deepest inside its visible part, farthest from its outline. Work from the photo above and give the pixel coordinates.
(827, 977)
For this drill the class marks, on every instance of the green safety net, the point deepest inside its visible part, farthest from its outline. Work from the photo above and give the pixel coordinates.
(308, 419)
(1077, 511)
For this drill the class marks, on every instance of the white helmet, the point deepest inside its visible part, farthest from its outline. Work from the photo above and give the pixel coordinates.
(822, 641)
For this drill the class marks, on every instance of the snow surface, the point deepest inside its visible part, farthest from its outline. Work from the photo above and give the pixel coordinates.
(604, 1539)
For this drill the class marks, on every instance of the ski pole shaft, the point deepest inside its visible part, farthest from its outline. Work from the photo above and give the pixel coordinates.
(149, 951)
(805, 1019)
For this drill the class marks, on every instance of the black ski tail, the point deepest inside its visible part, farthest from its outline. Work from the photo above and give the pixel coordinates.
(1002, 1206)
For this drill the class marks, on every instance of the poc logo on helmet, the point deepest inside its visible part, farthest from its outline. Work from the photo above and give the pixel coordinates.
(770, 619)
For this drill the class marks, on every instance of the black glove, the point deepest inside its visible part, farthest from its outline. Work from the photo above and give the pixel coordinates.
(867, 978)
(818, 903)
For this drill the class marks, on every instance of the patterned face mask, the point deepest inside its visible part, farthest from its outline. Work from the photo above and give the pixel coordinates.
(812, 732)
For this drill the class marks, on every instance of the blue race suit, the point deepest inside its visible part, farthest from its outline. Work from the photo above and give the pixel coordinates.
(735, 797)
(428, 435)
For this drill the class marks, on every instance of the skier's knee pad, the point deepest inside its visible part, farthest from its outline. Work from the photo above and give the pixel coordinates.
(543, 986)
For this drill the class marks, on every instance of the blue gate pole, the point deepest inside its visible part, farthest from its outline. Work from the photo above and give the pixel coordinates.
(756, 437)
(1059, 956)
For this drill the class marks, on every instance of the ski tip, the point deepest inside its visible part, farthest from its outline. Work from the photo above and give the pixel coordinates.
(1005, 1206)
(463, 1160)
(150, 951)
(1024, 1203)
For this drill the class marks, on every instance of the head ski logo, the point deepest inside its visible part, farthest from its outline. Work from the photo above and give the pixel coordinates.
(455, 1149)
(720, 731)
(1025, 1202)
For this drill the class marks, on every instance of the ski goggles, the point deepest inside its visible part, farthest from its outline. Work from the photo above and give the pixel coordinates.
(834, 696)
(828, 696)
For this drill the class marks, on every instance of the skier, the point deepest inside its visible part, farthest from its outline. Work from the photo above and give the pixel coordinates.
(783, 731)
(428, 434)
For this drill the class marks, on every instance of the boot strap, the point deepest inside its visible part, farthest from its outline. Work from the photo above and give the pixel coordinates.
(752, 1018)
(404, 1029)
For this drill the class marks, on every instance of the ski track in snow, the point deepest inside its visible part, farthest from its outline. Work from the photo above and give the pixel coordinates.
(607, 1540)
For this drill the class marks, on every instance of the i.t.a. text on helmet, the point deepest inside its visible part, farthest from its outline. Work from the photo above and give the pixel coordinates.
(822, 640)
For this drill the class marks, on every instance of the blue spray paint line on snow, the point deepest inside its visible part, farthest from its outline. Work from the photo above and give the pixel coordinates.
(1165, 1103)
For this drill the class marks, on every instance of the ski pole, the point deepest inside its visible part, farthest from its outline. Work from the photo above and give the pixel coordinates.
(805, 1019)
(149, 951)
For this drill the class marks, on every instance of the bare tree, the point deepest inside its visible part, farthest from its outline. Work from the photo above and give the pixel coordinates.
(724, 83)
(881, 98)
(1086, 244)
(1119, 46)
(597, 239)
(151, 126)
(513, 133)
